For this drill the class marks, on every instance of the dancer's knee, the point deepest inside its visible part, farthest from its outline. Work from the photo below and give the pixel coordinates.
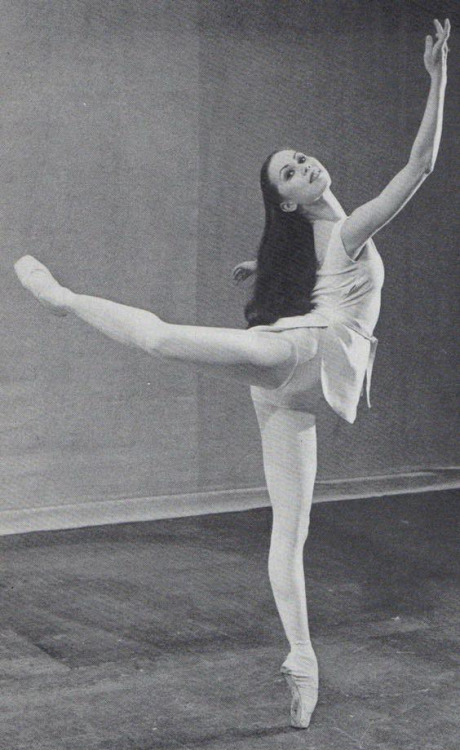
(290, 526)
(158, 337)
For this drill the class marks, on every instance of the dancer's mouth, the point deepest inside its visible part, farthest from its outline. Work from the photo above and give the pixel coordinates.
(314, 174)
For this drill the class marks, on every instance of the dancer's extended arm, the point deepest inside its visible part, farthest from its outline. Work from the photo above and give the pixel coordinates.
(372, 216)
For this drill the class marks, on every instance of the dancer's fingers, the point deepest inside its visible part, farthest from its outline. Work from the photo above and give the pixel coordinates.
(240, 274)
(446, 32)
(439, 28)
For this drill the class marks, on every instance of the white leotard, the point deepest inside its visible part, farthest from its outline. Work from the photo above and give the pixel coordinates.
(347, 296)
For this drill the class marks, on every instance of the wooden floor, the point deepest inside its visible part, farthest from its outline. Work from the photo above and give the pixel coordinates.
(164, 634)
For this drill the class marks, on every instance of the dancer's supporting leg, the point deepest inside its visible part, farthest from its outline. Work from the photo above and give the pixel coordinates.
(250, 357)
(289, 453)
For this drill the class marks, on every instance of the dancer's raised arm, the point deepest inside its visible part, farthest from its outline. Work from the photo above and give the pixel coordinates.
(372, 216)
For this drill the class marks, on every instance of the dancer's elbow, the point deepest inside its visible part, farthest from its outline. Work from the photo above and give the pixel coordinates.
(422, 164)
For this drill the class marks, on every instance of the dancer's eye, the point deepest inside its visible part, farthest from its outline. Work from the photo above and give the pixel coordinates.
(289, 173)
(302, 159)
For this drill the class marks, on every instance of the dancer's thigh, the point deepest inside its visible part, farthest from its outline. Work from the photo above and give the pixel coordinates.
(289, 456)
(248, 356)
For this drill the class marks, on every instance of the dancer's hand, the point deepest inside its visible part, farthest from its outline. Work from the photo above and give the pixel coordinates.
(435, 57)
(243, 270)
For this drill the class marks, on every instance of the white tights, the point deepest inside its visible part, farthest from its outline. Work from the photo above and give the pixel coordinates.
(257, 358)
(289, 455)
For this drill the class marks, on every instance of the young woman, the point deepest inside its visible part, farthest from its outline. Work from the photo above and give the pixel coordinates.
(310, 335)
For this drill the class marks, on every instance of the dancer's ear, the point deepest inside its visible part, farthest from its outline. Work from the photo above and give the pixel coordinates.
(288, 206)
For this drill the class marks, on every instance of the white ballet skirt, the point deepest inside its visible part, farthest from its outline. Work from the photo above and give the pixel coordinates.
(347, 297)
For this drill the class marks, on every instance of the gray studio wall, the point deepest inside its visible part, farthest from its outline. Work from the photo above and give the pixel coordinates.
(344, 81)
(100, 130)
(133, 133)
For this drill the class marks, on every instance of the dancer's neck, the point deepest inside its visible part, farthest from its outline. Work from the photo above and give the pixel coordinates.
(326, 208)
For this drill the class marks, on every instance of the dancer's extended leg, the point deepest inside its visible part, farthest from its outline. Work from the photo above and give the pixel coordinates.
(251, 357)
(289, 453)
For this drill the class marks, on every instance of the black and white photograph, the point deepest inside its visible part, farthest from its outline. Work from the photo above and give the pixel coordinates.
(229, 456)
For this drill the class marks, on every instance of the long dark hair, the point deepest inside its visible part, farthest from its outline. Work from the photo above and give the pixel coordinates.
(286, 262)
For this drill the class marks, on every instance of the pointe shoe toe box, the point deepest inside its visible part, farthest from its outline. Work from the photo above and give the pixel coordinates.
(26, 266)
(304, 694)
(36, 278)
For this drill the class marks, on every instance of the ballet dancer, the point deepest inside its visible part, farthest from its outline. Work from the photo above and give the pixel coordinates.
(315, 303)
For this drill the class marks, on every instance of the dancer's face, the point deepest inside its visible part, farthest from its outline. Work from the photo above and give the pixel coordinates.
(300, 180)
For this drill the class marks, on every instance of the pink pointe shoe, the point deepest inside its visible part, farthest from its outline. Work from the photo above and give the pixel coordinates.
(36, 278)
(304, 692)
